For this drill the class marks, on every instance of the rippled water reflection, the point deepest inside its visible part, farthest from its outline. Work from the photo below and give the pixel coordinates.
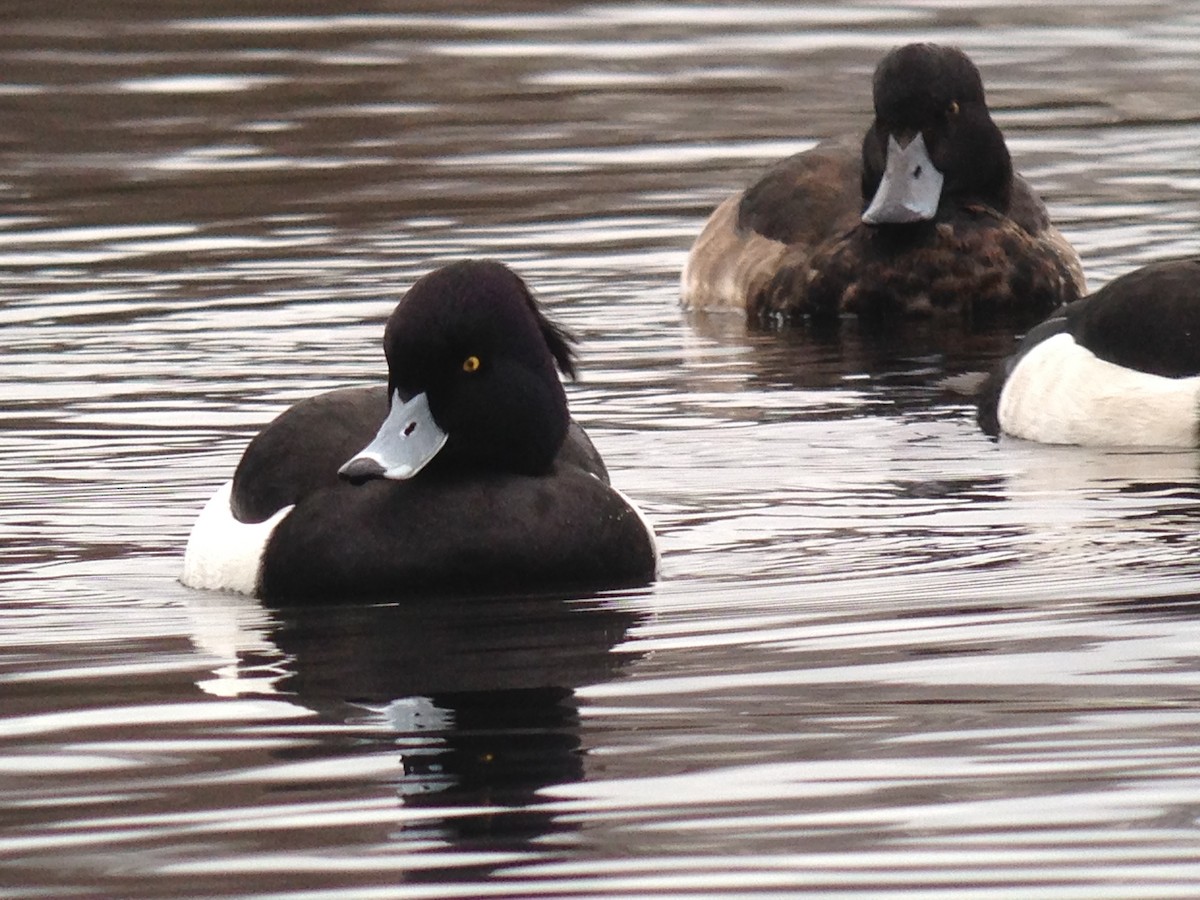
(887, 656)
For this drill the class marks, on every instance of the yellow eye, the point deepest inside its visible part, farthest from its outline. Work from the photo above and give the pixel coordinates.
(471, 364)
(954, 107)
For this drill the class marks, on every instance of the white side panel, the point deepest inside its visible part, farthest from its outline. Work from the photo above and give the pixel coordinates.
(1061, 393)
(222, 553)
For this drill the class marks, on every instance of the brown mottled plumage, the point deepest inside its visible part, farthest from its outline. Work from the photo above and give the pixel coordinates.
(977, 264)
(795, 244)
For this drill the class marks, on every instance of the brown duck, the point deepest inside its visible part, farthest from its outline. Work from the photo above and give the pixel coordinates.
(929, 219)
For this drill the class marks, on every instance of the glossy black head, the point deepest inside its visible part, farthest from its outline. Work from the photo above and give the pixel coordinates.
(471, 337)
(937, 92)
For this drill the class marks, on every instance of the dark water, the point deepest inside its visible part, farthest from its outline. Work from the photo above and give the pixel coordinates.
(887, 656)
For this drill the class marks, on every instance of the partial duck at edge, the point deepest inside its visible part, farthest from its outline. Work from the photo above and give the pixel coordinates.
(1119, 368)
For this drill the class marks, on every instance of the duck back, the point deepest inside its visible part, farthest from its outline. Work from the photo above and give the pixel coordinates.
(973, 263)
(463, 534)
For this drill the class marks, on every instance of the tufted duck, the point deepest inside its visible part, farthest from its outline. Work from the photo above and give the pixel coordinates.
(465, 474)
(928, 219)
(1120, 368)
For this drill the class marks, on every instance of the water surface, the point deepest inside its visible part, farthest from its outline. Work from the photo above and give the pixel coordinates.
(887, 656)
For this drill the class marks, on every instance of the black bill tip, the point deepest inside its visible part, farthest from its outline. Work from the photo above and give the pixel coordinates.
(361, 469)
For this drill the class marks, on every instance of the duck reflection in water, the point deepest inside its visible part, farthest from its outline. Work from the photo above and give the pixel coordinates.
(477, 695)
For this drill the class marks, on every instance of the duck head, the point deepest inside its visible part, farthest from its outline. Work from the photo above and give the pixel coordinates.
(472, 378)
(933, 141)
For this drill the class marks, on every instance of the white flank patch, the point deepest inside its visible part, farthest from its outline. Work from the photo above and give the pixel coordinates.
(1061, 393)
(222, 553)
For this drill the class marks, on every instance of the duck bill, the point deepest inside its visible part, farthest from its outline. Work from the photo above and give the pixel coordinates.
(910, 188)
(408, 439)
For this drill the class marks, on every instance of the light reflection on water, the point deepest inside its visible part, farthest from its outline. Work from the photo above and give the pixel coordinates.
(888, 655)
